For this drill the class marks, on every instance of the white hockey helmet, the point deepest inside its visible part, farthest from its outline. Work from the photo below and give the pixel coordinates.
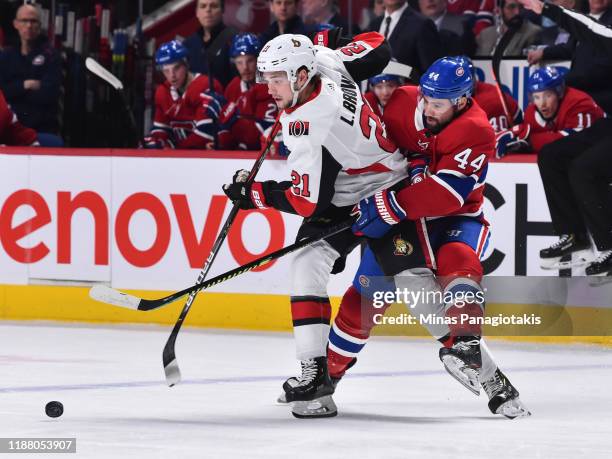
(288, 53)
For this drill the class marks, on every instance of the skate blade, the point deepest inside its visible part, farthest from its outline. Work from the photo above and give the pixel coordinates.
(468, 377)
(555, 264)
(598, 280)
(513, 409)
(323, 407)
(282, 399)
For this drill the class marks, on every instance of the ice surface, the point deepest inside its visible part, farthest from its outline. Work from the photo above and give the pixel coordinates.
(398, 402)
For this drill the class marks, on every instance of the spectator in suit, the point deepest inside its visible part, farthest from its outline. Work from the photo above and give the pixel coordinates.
(31, 77)
(455, 30)
(527, 34)
(413, 38)
(591, 69)
(325, 12)
(210, 16)
(286, 20)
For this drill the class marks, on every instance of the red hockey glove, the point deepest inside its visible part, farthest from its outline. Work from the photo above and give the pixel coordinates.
(515, 139)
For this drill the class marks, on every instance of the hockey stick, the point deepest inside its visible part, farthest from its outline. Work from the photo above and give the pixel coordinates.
(115, 297)
(112, 296)
(495, 63)
(97, 69)
(171, 369)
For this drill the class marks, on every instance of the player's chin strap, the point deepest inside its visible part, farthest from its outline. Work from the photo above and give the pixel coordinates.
(295, 90)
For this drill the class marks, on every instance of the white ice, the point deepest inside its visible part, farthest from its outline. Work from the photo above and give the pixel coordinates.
(397, 402)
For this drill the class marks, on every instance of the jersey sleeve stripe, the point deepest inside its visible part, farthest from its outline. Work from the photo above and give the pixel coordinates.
(460, 188)
(301, 205)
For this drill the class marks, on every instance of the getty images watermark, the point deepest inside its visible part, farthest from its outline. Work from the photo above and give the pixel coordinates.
(428, 306)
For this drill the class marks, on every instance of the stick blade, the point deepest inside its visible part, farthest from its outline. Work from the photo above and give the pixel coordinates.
(109, 295)
(173, 373)
(96, 68)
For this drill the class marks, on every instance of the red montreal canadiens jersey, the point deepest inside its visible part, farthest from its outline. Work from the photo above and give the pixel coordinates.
(487, 96)
(180, 117)
(577, 110)
(12, 132)
(256, 112)
(370, 97)
(458, 157)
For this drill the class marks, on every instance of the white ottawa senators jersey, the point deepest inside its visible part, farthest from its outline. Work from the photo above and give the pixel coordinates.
(339, 151)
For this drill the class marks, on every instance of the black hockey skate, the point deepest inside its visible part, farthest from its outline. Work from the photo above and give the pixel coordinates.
(601, 266)
(293, 381)
(311, 396)
(503, 397)
(568, 244)
(463, 361)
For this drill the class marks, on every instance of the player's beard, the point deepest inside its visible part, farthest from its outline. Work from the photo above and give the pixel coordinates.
(434, 128)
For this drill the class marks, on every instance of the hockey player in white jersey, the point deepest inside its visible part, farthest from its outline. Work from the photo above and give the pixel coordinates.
(339, 154)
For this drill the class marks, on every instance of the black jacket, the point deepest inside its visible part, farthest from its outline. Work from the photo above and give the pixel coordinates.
(591, 69)
(35, 109)
(221, 67)
(295, 25)
(414, 41)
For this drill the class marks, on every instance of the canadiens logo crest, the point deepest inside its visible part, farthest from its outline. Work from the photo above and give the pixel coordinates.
(364, 281)
(402, 247)
(299, 128)
(460, 71)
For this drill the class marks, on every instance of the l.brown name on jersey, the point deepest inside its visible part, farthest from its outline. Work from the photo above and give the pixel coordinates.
(349, 99)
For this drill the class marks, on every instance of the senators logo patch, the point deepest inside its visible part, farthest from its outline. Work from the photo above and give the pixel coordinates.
(402, 247)
(296, 43)
(299, 128)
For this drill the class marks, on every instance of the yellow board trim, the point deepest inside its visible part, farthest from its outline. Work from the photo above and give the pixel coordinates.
(244, 311)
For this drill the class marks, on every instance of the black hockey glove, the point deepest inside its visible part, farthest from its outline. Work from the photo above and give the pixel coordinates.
(240, 194)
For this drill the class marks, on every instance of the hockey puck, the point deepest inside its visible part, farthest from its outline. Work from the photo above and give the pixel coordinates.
(54, 409)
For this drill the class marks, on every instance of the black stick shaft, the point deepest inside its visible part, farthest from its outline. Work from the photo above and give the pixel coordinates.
(147, 305)
(168, 354)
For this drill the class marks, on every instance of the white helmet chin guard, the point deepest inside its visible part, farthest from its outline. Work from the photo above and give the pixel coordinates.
(288, 53)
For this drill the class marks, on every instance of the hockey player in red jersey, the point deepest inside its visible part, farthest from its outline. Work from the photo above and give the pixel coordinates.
(186, 113)
(555, 112)
(381, 88)
(250, 110)
(12, 132)
(339, 154)
(487, 96)
(439, 121)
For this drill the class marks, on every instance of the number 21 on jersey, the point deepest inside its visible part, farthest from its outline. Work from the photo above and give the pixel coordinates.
(300, 184)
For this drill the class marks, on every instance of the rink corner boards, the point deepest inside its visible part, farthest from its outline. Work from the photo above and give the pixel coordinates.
(267, 313)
